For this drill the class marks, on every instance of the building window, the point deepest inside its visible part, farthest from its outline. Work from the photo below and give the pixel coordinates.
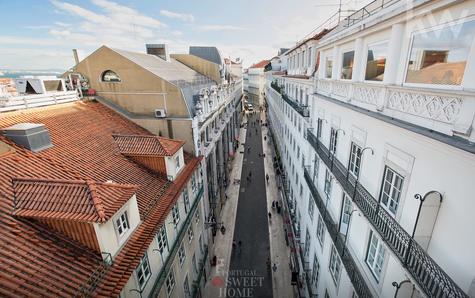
(176, 214)
(440, 56)
(328, 67)
(333, 140)
(122, 224)
(376, 62)
(316, 168)
(347, 208)
(391, 192)
(347, 65)
(311, 206)
(315, 271)
(162, 239)
(327, 188)
(193, 183)
(190, 233)
(177, 160)
(186, 200)
(170, 282)
(307, 243)
(193, 260)
(110, 77)
(197, 215)
(320, 230)
(181, 254)
(143, 271)
(335, 265)
(355, 159)
(186, 287)
(375, 255)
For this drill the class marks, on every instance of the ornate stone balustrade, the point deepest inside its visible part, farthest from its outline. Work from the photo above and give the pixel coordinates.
(449, 112)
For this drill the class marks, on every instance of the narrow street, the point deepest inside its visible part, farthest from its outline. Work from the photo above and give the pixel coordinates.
(249, 259)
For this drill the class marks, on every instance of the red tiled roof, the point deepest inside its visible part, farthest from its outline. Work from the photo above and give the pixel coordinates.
(317, 36)
(260, 64)
(147, 145)
(37, 261)
(85, 201)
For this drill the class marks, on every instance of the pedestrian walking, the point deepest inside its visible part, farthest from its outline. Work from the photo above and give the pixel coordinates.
(234, 244)
(250, 174)
(270, 215)
(267, 178)
(223, 229)
(274, 267)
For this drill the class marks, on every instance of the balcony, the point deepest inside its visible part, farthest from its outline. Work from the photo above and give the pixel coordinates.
(444, 111)
(356, 277)
(299, 108)
(424, 270)
(174, 248)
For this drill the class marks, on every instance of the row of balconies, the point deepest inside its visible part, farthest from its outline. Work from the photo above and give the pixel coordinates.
(211, 102)
(298, 107)
(424, 270)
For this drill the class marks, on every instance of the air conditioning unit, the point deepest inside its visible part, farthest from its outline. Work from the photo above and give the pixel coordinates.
(160, 113)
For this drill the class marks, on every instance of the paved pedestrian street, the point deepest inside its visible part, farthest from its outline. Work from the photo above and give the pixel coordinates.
(252, 255)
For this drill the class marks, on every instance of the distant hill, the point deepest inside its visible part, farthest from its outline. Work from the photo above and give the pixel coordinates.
(17, 73)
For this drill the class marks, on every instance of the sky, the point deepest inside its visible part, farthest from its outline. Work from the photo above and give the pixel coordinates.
(40, 34)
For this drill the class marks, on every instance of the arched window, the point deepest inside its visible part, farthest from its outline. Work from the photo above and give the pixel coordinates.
(110, 76)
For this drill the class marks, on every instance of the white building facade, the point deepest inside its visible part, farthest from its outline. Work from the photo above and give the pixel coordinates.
(377, 175)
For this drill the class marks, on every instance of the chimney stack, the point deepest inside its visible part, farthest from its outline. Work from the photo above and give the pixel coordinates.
(76, 57)
(159, 50)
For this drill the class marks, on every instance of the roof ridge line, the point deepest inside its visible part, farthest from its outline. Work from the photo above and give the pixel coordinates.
(98, 205)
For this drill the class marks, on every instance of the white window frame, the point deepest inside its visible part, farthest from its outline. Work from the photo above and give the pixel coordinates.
(343, 52)
(327, 187)
(315, 271)
(121, 222)
(181, 254)
(178, 164)
(311, 207)
(392, 189)
(143, 271)
(366, 60)
(375, 256)
(176, 214)
(162, 239)
(354, 165)
(186, 200)
(190, 233)
(320, 230)
(328, 57)
(170, 282)
(408, 56)
(333, 140)
(335, 265)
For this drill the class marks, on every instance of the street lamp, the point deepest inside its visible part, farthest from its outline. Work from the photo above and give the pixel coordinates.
(398, 286)
(358, 176)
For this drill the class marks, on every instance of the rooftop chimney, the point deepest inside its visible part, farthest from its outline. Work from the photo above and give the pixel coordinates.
(160, 50)
(76, 57)
(32, 136)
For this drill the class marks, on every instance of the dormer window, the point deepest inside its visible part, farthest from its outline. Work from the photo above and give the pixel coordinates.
(110, 76)
(122, 224)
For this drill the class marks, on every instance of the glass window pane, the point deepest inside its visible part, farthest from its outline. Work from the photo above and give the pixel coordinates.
(347, 65)
(439, 56)
(376, 62)
(328, 67)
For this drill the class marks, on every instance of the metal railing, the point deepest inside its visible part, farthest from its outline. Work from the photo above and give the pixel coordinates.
(174, 249)
(95, 278)
(430, 277)
(359, 283)
(301, 109)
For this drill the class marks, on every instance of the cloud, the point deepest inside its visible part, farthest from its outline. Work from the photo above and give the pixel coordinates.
(205, 28)
(35, 27)
(175, 15)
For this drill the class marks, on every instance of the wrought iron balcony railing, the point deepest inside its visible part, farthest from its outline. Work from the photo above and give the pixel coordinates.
(431, 278)
(174, 249)
(354, 274)
(301, 109)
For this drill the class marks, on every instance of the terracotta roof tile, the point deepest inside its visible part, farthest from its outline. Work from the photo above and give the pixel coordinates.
(147, 145)
(38, 261)
(260, 64)
(69, 199)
